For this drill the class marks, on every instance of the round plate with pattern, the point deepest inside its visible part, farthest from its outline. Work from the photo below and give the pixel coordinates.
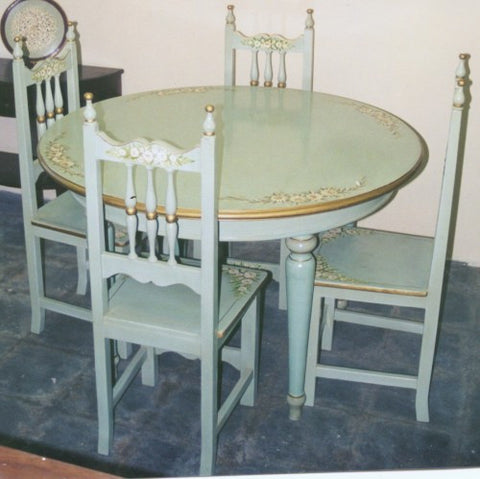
(42, 23)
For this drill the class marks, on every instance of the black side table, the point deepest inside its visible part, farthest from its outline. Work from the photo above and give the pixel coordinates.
(103, 82)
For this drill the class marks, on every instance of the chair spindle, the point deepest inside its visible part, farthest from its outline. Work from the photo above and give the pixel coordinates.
(151, 214)
(131, 210)
(171, 217)
(282, 71)
(49, 104)
(58, 98)
(40, 110)
(268, 74)
(254, 73)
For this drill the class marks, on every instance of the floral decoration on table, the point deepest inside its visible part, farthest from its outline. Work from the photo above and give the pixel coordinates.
(48, 69)
(323, 271)
(335, 233)
(150, 154)
(57, 153)
(242, 280)
(170, 91)
(175, 91)
(264, 41)
(327, 193)
(382, 117)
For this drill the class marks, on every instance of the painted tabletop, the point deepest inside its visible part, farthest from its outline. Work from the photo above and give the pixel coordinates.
(282, 152)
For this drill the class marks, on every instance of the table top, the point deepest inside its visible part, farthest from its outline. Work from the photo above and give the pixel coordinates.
(282, 152)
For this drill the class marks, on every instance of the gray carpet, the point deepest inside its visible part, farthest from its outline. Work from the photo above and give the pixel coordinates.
(47, 395)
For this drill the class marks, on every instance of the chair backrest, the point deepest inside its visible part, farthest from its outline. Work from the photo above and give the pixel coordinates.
(449, 180)
(149, 167)
(48, 104)
(269, 44)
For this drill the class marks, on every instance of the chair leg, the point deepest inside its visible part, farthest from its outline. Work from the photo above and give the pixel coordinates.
(149, 369)
(312, 349)
(197, 249)
(103, 378)
(124, 349)
(82, 270)
(282, 281)
(425, 367)
(249, 351)
(209, 412)
(36, 281)
(328, 318)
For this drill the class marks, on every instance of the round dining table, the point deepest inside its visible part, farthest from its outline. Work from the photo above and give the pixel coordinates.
(293, 163)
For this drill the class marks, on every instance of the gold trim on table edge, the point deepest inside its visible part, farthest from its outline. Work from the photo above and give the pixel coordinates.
(259, 214)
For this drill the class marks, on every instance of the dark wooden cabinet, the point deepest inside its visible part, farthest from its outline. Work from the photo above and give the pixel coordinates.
(103, 82)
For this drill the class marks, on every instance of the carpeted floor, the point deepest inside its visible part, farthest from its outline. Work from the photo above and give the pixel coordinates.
(47, 395)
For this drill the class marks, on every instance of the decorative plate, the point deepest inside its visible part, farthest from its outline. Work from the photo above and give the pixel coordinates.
(42, 23)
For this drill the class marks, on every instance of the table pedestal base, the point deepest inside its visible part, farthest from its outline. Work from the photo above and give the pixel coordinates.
(295, 405)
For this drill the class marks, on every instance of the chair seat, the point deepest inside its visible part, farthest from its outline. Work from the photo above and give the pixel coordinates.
(372, 260)
(64, 214)
(173, 311)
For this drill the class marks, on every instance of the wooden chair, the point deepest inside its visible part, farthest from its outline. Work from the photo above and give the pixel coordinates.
(163, 304)
(62, 219)
(270, 46)
(370, 266)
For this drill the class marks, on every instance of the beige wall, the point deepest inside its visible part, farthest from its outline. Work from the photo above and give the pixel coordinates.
(397, 54)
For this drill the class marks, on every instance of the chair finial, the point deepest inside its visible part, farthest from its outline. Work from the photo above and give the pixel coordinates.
(230, 16)
(89, 113)
(18, 48)
(209, 123)
(460, 74)
(462, 69)
(71, 31)
(309, 23)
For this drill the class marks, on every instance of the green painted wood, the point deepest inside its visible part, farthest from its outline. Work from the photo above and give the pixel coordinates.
(291, 163)
(280, 47)
(166, 303)
(61, 219)
(283, 152)
(269, 45)
(358, 264)
(105, 82)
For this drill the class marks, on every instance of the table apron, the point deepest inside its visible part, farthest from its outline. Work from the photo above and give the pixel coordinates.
(268, 229)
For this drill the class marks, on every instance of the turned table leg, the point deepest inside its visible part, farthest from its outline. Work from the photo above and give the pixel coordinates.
(300, 273)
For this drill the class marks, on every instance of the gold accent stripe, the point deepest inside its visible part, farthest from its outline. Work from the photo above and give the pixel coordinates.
(375, 289)
(59, 229)
(266, 213)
